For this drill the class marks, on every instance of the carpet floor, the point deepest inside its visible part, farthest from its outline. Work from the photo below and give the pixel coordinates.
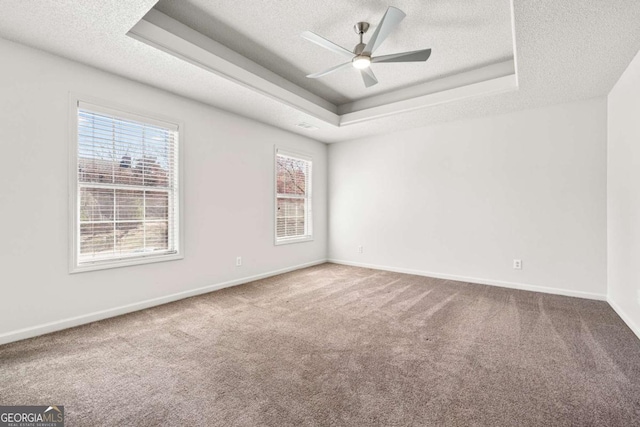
(334, 345)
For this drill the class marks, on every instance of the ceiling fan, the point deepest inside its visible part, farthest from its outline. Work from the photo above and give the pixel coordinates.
(361, 56)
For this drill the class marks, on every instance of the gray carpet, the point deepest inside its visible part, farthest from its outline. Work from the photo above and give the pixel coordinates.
(337, 345)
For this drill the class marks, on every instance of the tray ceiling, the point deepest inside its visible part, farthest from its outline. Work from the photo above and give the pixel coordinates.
(462, 35)
(566, 51)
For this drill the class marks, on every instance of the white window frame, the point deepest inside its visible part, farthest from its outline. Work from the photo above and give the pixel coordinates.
(125, 112)
(308, 206)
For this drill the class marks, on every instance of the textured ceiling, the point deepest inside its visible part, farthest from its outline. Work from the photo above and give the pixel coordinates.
(565, 51)
(462, 36)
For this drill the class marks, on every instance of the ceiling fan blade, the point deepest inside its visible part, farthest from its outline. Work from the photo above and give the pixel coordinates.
(368, 77)
(413, 56)
(321, 41)
(329, 71)
(388, 23)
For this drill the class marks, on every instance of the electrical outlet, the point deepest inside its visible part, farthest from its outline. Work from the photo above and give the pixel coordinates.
(517, 264)
(238, 261)
(360, 250)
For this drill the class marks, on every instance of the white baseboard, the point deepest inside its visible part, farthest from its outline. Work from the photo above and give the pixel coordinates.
(499, 283)
(71, 322)
(624, 316)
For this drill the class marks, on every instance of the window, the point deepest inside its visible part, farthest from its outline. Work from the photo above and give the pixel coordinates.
(293, 197)
(125, 188)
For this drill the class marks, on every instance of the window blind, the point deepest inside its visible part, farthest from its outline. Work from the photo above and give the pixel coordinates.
(293, 197)
(127, 186)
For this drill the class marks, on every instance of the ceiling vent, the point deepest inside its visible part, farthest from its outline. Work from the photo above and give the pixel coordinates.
(305, 125)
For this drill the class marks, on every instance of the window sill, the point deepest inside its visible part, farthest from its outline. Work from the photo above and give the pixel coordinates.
(293, 240)
(107, 264)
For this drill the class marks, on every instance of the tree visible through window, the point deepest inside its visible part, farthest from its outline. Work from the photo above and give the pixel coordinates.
(126, 188)
(293, 198)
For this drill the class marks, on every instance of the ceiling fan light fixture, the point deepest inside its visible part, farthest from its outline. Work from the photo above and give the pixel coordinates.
(360, 56)
(361, 62)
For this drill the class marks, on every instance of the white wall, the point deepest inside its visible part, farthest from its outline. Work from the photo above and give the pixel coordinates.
(463, 199)
(623, 196)
(228, 194)
(456, 200)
